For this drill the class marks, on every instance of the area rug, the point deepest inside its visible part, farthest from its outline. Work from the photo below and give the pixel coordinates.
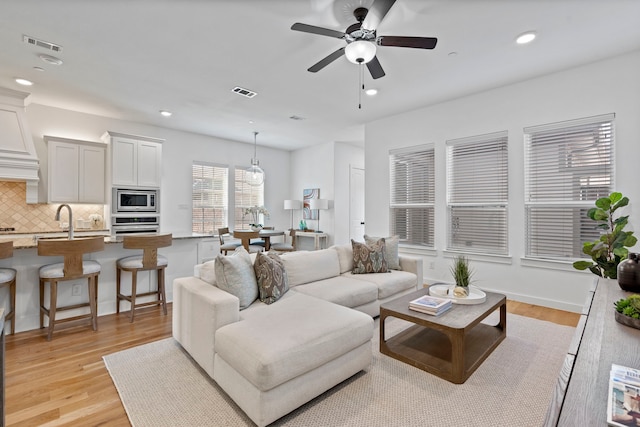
(160, 385)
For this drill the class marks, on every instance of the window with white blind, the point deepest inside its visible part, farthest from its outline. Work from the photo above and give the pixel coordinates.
(246, 196)
(412, 181)
(477, 194)
(209, 197)
(568, 166)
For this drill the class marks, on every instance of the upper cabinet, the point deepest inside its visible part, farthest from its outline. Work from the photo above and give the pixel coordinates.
(136, 161)
(76, 171)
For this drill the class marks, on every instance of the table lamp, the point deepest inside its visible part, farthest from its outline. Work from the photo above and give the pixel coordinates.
(321, 204)
(291, 205)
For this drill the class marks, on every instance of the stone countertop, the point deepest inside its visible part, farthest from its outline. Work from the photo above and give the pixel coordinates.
(26, 240)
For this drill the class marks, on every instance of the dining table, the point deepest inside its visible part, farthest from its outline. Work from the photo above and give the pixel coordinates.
(245, 236)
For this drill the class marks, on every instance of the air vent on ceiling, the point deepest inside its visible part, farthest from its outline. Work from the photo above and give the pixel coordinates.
(244, 92)
(294, 117)
(41, 43)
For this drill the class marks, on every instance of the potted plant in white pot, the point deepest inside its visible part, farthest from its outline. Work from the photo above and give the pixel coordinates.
(611, 248)
(462, 274)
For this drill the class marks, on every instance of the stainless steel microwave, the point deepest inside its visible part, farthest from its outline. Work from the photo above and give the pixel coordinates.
(126, 200)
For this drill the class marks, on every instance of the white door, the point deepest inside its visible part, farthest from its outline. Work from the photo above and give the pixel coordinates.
(356, 204)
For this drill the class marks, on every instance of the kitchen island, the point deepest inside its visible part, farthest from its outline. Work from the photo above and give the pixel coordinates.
(187, 250)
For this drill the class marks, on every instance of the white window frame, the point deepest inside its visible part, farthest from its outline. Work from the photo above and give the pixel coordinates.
(246, 196)
(214, 197)
(412, 196)
(478, 194)
(568, 166)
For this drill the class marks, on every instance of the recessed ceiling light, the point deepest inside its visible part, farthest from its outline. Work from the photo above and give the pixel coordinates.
(24, 82)
(525, 38)
(453, 54)
(371, 92)
(38, 68)
(50, 59)
(166, 113)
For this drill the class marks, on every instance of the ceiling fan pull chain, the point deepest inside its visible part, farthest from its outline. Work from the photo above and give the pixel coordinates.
(360, 84)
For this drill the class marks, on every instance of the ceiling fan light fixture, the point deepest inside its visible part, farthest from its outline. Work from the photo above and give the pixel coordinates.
(360, 51)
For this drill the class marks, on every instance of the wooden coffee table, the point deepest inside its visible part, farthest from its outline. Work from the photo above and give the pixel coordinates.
(451, 345)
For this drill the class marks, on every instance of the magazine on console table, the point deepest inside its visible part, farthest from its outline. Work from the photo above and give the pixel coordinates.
(430, 305)
(623, 405)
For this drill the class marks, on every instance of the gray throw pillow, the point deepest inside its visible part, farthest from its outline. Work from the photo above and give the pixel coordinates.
(271, 276)
(234, 274)
(390, 250)
(368, 258)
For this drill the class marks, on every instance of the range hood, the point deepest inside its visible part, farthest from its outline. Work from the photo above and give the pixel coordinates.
(18, 158)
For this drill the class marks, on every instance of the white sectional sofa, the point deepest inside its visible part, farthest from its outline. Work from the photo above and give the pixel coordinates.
(272, 358)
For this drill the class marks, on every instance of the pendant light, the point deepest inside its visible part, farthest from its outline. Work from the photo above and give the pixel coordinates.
(255, 175)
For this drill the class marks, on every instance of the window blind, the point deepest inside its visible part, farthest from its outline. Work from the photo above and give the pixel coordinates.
(412, 195)
(477, 193)
(245, 197)
(209, 197)
(568, 166)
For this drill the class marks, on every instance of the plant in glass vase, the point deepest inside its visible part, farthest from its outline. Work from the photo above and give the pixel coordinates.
(255, 212)
(461, 275)
(611, 248)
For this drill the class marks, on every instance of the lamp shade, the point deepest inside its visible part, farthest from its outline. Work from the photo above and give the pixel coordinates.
(360, 51)
(292, 204)
(319, 204)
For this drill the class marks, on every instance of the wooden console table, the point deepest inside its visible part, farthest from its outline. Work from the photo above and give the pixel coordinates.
(580, 396)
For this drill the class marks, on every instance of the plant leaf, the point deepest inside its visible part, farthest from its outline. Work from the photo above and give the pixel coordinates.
(582, 265)
(615, 196)
(603, 203)
(600, 215)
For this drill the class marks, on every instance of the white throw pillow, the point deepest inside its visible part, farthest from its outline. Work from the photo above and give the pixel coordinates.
(234, 274)
(207, 272)
(390, 250)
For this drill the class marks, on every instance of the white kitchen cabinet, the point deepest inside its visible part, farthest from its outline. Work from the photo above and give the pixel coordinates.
(136, 161)
(76, 171)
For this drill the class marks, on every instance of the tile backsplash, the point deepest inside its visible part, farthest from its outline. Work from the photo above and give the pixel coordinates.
(33, 218)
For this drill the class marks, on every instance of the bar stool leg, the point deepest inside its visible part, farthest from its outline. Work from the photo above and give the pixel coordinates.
(162, 295)
(134, 282)
(91, 280)
(118, 275)
(41, 303)
(12, 315)
(52, 307)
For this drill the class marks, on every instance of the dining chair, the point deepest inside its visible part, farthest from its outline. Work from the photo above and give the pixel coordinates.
(284, 246)
(226, 246)
(245, 236)
(73, 267)
(261, 242)
(147, 261)
(8, 278)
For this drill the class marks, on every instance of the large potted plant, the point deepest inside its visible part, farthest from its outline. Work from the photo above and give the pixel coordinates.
(611, 248)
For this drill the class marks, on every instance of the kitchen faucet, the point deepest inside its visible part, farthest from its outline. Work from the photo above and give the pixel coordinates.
(57, 218)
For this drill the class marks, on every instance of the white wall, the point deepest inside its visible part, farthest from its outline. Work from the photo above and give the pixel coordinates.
(610, 86)
(179, 151)
(312, 167)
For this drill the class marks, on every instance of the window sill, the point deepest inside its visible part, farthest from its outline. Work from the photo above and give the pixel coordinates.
(474, 256)
(552, 264)
(417, 250)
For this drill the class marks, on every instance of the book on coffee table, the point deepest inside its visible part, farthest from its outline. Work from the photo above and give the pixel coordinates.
(623, 406)
(430, 305)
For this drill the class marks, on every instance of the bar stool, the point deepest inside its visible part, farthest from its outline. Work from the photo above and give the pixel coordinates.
(149, 260)
(8, 277)
(73, 267)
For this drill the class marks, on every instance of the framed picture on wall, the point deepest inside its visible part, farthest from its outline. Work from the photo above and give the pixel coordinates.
(308, 194)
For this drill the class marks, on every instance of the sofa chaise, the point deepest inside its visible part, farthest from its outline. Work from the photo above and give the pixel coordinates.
(272, 358)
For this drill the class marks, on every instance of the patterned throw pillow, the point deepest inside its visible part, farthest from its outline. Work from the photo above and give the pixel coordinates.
(368, 258)
(271, 276)
(234, 274)
(390, 250)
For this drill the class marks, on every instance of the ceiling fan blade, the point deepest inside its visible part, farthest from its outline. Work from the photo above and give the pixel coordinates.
(401, 41)
(375, 68)
(377, 12)
(317, 30)
(326, 61)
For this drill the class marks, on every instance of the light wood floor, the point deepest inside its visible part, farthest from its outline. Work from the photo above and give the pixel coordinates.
(65, 383)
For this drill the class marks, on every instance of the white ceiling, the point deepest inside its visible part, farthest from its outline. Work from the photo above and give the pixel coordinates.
(128, 59)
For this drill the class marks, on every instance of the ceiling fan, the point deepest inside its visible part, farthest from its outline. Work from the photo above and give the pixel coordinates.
(362, 39)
